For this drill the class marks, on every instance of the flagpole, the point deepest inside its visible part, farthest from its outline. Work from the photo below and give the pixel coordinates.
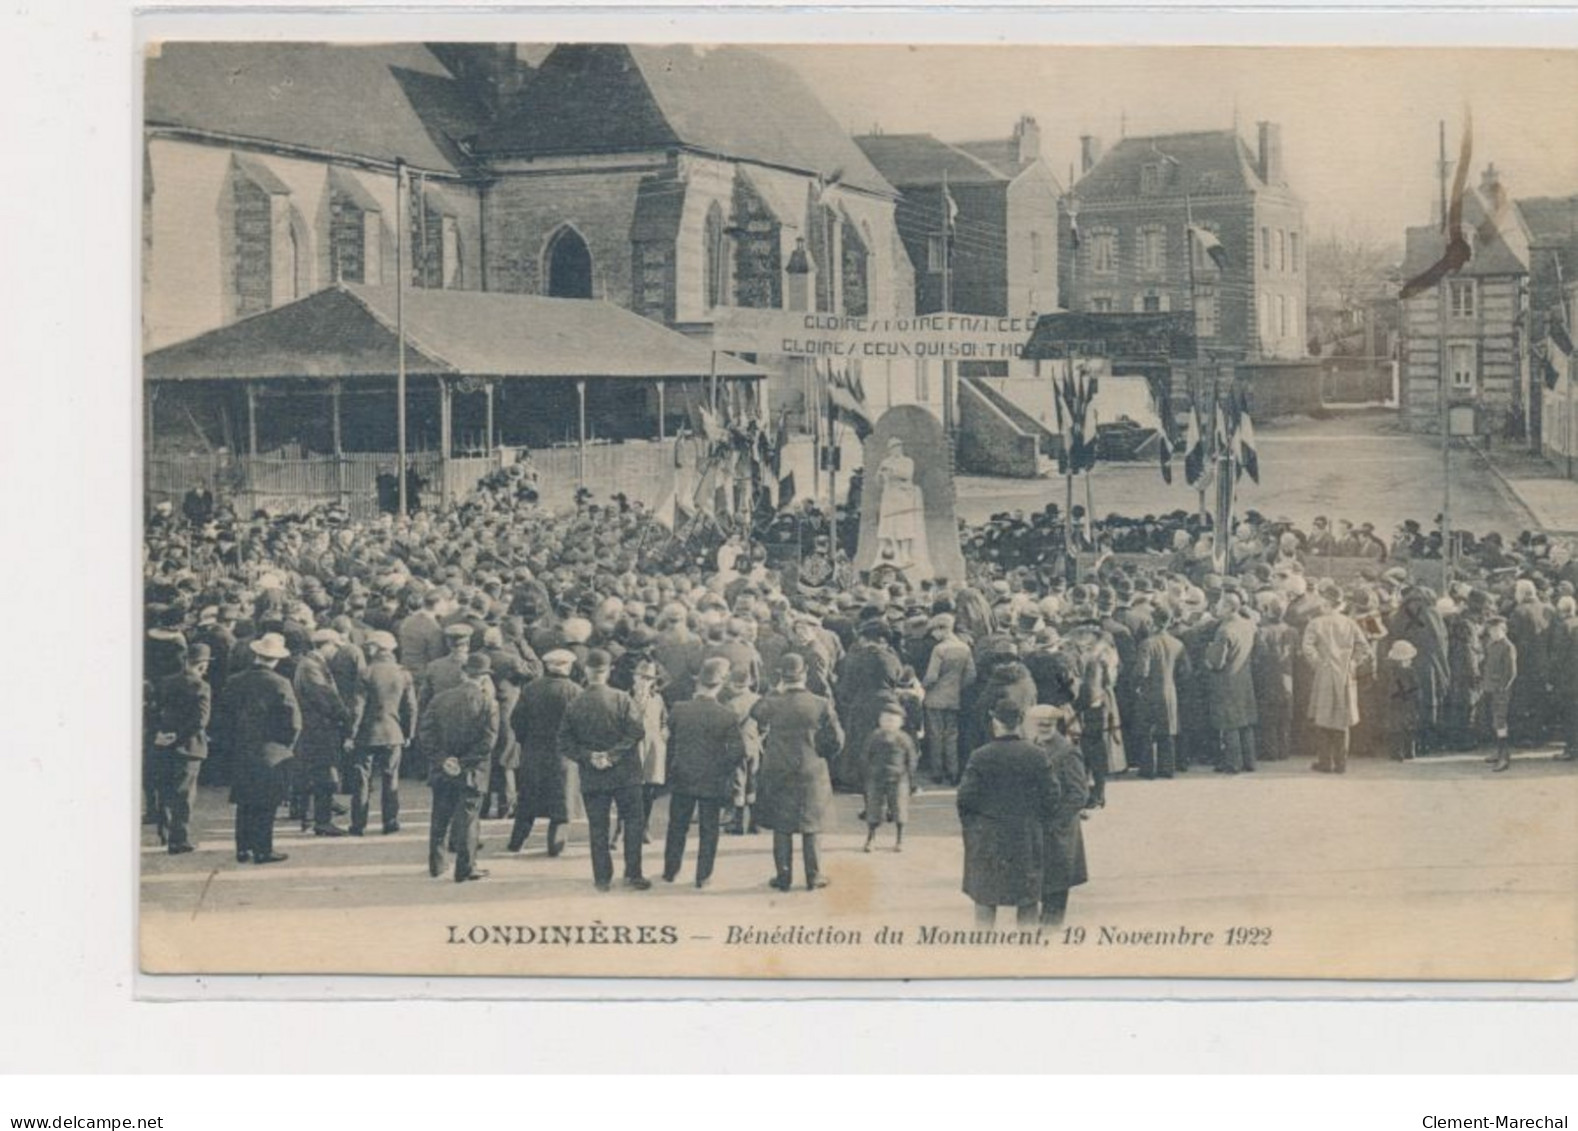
(948, 406)
(402, 218)
(1197, 383)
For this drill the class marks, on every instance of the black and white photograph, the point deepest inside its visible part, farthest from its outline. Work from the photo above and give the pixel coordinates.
(808, 511)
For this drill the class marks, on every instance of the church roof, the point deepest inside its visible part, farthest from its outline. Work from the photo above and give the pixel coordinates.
(376, 102)
(1203, 163)
(616, 98)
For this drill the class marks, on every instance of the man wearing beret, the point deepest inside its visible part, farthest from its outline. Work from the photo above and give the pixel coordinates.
(181, 744)
(706, 746)
(600, 732)
(261, 720)
(458, 732)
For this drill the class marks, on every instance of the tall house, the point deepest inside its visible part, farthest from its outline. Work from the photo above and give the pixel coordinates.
(1467, 331)
(1131, 208)
(998, 238)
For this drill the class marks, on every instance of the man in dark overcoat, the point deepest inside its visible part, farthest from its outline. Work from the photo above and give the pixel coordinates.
(1063, 859)
(1276, 646)
(327, 727)
(794, 795)
(388, 724)
(865, 677)
(1419, 623)
(181, 744)
(1232, 686)
(705, 748)
(1160, 660)
(1008, 795)
(458, 730)
(600, 733)
(548, 785)
(262, 721)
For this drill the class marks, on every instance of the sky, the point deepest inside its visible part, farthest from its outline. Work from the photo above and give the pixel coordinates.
(1359, 126)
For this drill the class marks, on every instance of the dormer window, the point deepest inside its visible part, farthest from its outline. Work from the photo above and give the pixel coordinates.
(1152, 178)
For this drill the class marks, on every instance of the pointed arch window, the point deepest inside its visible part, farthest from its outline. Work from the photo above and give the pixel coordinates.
(717, 252)
(567, 265)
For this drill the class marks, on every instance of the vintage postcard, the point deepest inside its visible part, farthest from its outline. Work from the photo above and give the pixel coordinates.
(816, 511)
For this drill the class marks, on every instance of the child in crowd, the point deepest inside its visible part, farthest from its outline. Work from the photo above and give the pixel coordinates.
(1498, 673)
(890, 774)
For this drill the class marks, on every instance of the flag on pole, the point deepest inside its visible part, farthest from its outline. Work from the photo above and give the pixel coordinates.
(846, 396)
(1248, 453)
(1073, 226)
(666, 513)
(1194, 452)
(785, 491)
(950, 207)
(1209, 244)
(1164, 453)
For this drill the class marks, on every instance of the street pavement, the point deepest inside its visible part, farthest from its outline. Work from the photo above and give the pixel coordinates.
(1436, 868)
(1355, 464)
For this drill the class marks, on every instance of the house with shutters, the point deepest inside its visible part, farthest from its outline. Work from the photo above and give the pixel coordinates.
(1000, 243)
(1464, 337)
(1126, 246)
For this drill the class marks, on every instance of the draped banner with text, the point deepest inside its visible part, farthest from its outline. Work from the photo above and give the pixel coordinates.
(946, 337)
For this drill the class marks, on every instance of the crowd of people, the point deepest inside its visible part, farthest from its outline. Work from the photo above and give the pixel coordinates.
(553, 666)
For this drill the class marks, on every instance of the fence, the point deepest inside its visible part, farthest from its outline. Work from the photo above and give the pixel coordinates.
(643, 470)
(285, 483)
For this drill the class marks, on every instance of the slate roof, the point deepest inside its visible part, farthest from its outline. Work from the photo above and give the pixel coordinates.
(348, 331)
(317, 96)
(1552, 222)
(1001, 153)
(1423, 246)
(1204, 163)
(920, 159)
(617, 98)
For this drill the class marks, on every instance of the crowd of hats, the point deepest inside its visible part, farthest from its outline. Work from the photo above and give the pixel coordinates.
(608, 570)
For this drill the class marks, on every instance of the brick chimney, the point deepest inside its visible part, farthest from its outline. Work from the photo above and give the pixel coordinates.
(1027, 140)
(1089, 153)
(1270, 165)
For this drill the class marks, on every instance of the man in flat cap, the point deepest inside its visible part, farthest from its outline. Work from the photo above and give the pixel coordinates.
(181, 744)
(458, 732)
(261, 721)
(388, 725)
(601, 732)
(327, 727)
(950, 674)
